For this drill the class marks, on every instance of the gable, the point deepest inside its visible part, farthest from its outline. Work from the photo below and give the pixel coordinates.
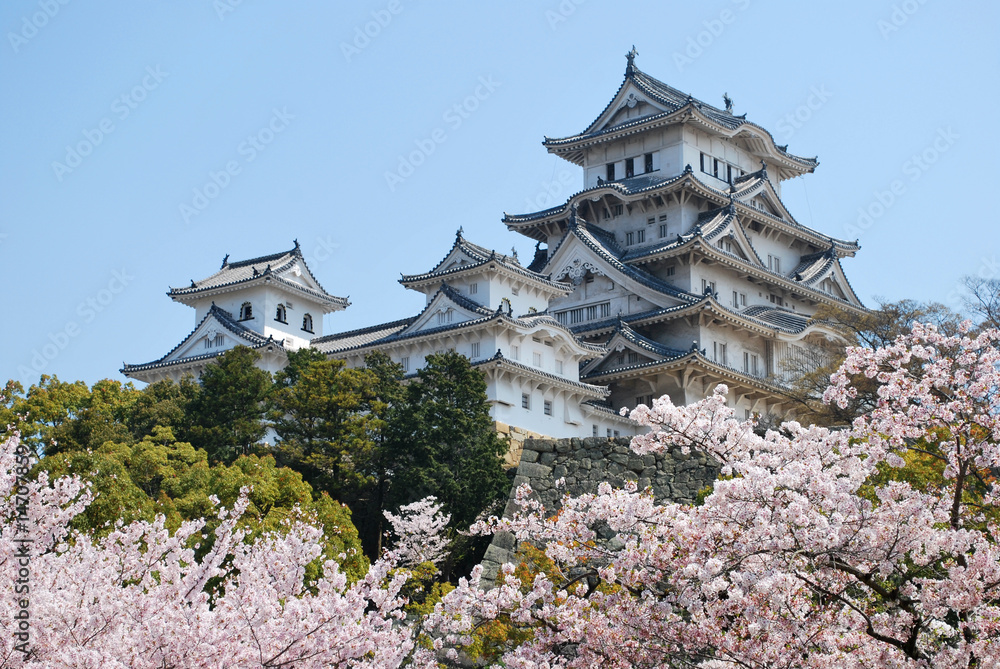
(211, 336)
(629, 104)
(441, 312)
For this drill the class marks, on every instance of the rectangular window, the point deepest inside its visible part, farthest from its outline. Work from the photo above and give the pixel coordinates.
(633, 357)
(619, 209)
(648, 162)
(609, 433)
(640, 236)
(525, 401)
(736, 299)
(595, 430)
(776, 299)
(605, 309)
(547, 407)
(707, 287)
(663, 217)
(617, 434)
(777, 264)
(559, 366)
(515, 352)
(717, 168)
(671, 270)
(473, 288)
(651, 220)
(475, 350)
(514, 290)
(607, 214)
(610, 174)
(629, 238)
(743, 299)
(754, 369)
(663, 230)
(746, 414)
(729, 173)
(404, 362)
(719, 352)
(536, 359)
(706, 163)
(591, 312)
(629, 167)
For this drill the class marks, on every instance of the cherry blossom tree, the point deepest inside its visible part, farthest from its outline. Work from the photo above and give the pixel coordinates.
(140, 597)
(423, 528)
(813, 549)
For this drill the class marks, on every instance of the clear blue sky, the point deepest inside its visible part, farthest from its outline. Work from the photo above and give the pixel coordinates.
(882, 91)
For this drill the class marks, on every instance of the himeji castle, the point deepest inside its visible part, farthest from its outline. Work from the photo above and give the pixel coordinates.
(677, 267)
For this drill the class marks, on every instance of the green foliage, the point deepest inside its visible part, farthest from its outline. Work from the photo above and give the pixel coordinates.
(444, 443)
(160, 475)
(324, 423)
(227, 416)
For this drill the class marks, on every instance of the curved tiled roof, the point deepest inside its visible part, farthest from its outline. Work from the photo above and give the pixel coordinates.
(395, 331)
(360, 337)
(647, 183)
(254, 269)
(226, 320)
(645, 343)
(498, 357)
(673, 101)
(592, 237)
(482, 256)
(697, 356)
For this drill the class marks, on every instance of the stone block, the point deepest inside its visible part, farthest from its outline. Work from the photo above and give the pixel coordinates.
(532, 470)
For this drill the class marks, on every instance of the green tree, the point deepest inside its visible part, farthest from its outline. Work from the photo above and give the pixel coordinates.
(444, 443)
(227, 416)
(324, 421)
(389, 397)
(166, 404)
(46, 413)
(873, 329)
(160, 475)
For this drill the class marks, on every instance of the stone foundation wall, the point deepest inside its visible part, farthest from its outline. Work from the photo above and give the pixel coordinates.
(585, 464)
(515, 436)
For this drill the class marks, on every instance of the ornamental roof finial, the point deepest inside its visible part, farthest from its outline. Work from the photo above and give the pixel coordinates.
(225, 261)
(572, 215)
(458, 233)
(728, 101)
(630, 56)
(296, 242)
(513, 253)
